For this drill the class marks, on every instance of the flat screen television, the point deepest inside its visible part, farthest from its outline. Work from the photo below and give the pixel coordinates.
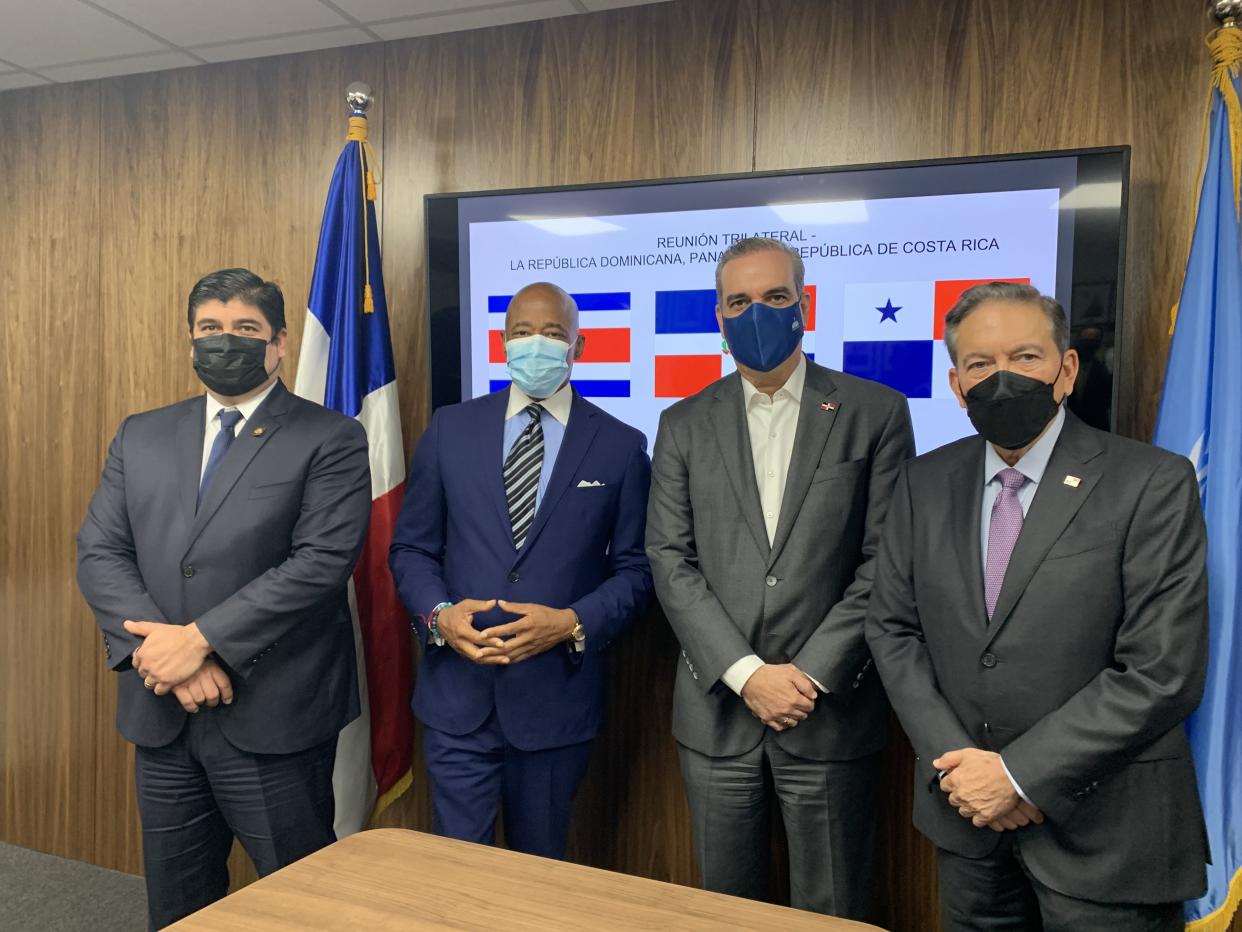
(887, 249)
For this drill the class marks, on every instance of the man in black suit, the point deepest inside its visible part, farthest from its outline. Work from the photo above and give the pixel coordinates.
(215, 555)
(1039, 620)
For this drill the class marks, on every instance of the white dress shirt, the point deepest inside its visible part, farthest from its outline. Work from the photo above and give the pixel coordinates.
(212, 425)
(773, 424)
(1032, 465)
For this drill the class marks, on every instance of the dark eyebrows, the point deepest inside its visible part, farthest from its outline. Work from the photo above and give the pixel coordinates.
(729, 299)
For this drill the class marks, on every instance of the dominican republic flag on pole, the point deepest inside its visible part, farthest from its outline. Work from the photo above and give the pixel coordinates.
(1199, 419)
(346, 365)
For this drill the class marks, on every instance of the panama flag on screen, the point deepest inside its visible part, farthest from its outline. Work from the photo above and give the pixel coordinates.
(604, 322)
(1199, 419)
(689, 355)
(893, 332)
(347, 365)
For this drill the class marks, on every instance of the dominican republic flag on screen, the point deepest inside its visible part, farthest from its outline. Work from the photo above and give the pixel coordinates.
(688, 351)
(603, 318)
(893, 332)
(346, 364)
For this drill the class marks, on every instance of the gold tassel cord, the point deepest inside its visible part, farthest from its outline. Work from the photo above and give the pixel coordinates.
(370, 180)
(1225, 44)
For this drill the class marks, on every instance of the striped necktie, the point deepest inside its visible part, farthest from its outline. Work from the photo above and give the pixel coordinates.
(522, 470)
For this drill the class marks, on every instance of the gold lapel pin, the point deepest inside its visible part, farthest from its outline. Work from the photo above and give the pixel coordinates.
(259, 432)
(1072, 481)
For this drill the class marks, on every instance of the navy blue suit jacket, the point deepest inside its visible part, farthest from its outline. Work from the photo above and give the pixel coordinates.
(585, 551)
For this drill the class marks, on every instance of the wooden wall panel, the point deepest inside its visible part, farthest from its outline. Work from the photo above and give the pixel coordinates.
(51, 347)
(116, 195)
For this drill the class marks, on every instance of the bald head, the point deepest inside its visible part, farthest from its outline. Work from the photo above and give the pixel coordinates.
(545, 309)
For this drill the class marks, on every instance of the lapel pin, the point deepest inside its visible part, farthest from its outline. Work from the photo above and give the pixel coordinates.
(1072, 481)
(828, 406)
(259, 431)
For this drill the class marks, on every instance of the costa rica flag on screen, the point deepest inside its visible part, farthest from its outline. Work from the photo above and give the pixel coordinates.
(893, 332)
(604, 319)
(689, 355)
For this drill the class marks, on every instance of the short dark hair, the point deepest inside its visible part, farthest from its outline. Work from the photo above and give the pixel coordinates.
(242, 285)
(753, 244)
(1005, 291)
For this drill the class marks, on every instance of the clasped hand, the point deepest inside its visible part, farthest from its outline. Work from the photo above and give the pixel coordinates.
(538, 630)
(780, 695)
(176, 659)
(980, 790)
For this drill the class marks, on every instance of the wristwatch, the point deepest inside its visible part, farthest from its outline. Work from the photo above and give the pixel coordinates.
(433, 626)
(577, 637)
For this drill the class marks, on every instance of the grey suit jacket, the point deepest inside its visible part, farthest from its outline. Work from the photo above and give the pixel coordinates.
(803, 599)
(262, 565)
(1095, 655)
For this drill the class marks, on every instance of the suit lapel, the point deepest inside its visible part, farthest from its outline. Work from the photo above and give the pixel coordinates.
(492, 457)
(255, 433)
(814, 426)
(579, 432)
(965, 503)
(1052, 509)
(189, 455)
(733, 438)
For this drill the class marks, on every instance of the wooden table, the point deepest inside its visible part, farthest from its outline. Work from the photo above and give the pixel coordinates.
(395, 879)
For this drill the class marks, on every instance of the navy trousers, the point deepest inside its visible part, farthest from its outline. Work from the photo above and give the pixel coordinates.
(198, 793)
(472, 775)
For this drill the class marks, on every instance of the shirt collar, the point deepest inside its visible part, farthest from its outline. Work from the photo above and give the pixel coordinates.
(557, 404)
(247, 408)
(1034, 461)
(793, 385)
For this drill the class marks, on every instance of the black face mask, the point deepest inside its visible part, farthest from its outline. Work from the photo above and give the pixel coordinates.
(1010, 410)
(231, 365)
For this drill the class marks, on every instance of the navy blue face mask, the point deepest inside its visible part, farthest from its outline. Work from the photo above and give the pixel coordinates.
(762, 336)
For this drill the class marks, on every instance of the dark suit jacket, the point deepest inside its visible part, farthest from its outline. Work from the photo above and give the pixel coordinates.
(1095, 655)
(262, 566)
(454, 541)
(728, 593)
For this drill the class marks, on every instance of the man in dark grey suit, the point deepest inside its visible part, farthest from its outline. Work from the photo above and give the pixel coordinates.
(1039, 619)
(768, 491)
(215, 556)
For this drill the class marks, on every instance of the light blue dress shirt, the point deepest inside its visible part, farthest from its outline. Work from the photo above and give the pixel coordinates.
(1032, 465)
(553, 419)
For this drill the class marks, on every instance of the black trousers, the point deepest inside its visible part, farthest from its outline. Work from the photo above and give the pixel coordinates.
(997, 892)
(200, 792)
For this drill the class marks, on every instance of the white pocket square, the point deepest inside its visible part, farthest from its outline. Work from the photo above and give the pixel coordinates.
(583, 484)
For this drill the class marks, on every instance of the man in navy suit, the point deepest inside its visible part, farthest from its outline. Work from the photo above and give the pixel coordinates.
(215, 555)
(519, 550)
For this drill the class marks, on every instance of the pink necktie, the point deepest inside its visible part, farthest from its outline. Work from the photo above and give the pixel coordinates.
(1003, 533)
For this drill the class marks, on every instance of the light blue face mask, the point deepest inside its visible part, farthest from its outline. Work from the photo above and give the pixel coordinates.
(538, 365)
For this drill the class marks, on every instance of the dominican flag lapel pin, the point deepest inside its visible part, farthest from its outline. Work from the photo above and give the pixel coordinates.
(828, 406)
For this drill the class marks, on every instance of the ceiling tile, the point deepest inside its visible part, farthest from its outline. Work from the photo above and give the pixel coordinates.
(114, 66)
(370, 10)
(615, 4)
(57, 32)
(194, 22)
(283, 45)
(473, 19)
(9, 82)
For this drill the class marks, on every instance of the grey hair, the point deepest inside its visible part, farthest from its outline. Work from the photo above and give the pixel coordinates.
(1005, 291)
(754, 244)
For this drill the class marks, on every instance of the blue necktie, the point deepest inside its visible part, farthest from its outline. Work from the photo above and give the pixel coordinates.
(220, 446)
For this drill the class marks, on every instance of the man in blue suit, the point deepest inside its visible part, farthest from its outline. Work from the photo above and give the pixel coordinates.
(519, 550)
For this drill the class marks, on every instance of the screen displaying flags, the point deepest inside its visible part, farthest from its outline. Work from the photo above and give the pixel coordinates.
(346, 364)
(1199, 419)
(604, 320)
(689, 353)
(894, 332)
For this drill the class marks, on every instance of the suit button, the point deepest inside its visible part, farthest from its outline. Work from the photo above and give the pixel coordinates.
(514, 577)
(988, 660)
(187, 571)
(771, 581)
